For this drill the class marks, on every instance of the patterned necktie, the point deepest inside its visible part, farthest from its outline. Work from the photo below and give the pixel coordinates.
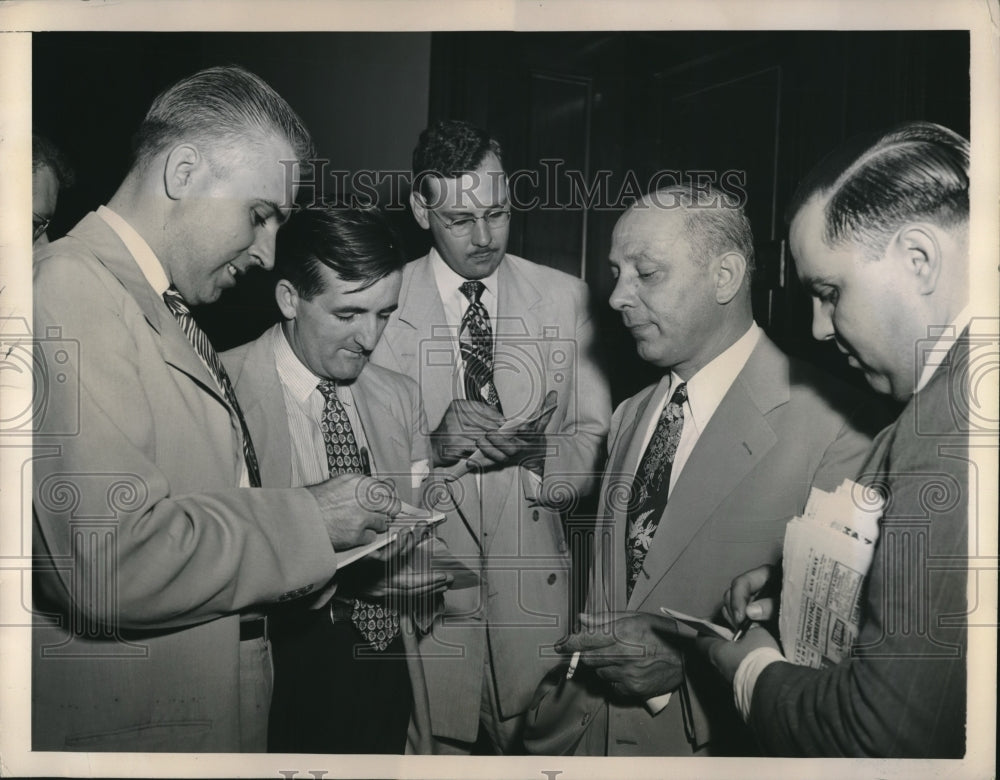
(651, 485)
(378, 624)
(199, 340)
(475, 340)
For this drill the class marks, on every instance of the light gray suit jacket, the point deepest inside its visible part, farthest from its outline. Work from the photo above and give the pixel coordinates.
(146, 547)
(509, 529)
(390, 412)
(782, 428)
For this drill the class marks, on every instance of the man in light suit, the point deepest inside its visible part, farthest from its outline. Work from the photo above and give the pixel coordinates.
(879, 232)
(490, 336)
(705, 469)
(338, 274)
(150, 544)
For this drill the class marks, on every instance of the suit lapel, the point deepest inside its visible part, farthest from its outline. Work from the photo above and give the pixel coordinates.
(387, 441)
(735, 439)
(622, 465)
(258, 388)
(419, 339)
(177, 350)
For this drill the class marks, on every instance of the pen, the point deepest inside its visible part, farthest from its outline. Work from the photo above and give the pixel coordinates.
(572, 665)
(770, 589)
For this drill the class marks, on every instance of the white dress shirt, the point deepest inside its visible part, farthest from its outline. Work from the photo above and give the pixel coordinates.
(304, 405)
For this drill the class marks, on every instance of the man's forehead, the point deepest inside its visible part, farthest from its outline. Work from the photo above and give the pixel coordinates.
(644, 231)
(477, 189)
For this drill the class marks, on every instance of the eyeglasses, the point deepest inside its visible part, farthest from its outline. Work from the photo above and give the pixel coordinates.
(39, 224)
(465, 225)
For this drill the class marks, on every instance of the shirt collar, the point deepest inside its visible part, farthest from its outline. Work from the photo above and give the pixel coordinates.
(935, 356)
(709, 386)
(294, 374)
(144, 256)
(448, 282)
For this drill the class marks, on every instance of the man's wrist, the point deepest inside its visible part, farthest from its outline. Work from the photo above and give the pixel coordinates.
(747, 673)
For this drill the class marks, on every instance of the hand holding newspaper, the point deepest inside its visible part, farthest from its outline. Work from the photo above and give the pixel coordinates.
(827, 554)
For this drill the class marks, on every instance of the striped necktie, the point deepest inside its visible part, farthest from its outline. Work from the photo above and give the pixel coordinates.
(475, 341)
(377, 623)
(651, 485)
(199, 340)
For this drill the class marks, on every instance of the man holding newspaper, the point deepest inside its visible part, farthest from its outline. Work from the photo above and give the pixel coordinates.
(879, 232)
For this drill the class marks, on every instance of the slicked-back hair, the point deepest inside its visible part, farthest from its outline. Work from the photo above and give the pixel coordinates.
(226, 108)
(875, 183)
(713, 223)
(359, 245)
(448, 149)
(47, 154)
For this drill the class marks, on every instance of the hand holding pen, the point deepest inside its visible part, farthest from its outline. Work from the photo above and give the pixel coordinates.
(751, 598)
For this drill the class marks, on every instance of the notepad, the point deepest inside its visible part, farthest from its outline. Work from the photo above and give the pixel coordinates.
(698, 626)
(409, 517)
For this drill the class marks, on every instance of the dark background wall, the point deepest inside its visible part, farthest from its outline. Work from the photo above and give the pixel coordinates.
(765, 105)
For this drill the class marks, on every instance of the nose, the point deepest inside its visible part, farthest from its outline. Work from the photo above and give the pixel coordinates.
(822, 323)
(262, 249)
(368, 332)
(481, 235)
(621, 295)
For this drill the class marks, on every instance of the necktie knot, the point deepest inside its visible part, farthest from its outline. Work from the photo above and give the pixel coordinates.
(472, 290)
(328, 388)
(175, 302)
(680, 395)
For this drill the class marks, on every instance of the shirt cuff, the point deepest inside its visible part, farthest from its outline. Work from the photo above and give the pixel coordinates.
(746, 676)
(657, 703)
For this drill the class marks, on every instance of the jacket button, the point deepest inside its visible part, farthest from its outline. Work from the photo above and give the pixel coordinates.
(552, 579)
(534, 515)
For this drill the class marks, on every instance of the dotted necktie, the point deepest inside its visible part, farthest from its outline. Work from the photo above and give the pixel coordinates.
(475, 340)
(199, 340)
(378, 624)
(652, 483)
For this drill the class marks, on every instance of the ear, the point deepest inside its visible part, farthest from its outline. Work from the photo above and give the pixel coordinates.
(419, 206)
(180, 169)
(917, 247)
(731, 270)
(287, 298)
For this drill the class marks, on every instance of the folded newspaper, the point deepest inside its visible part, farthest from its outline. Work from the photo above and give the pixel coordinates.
(827, 554)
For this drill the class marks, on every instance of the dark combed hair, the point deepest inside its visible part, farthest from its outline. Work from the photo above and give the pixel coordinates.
(47, 154)
(877, 182)
(225, 107)
(358, 244)
(450, 148)
(713, 222)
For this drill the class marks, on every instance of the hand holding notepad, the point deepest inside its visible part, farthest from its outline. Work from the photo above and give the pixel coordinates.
(530, 425)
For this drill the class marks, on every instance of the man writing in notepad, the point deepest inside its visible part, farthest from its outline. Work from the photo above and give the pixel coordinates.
(345, 672)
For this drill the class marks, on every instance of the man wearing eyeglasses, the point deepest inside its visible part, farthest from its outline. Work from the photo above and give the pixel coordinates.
(492, 338)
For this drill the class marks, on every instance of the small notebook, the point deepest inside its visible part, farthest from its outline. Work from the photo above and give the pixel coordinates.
(697, 626)
(408, 517)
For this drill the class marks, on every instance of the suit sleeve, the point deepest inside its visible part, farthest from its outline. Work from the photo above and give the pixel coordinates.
(170, 557)
(902, 693)
(580, 438)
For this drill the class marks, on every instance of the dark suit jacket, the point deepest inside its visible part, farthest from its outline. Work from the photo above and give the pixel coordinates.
(782, 428)
(902, 693)
(139, 521)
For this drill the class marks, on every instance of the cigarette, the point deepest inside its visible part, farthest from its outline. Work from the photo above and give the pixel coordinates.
(572, 665)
